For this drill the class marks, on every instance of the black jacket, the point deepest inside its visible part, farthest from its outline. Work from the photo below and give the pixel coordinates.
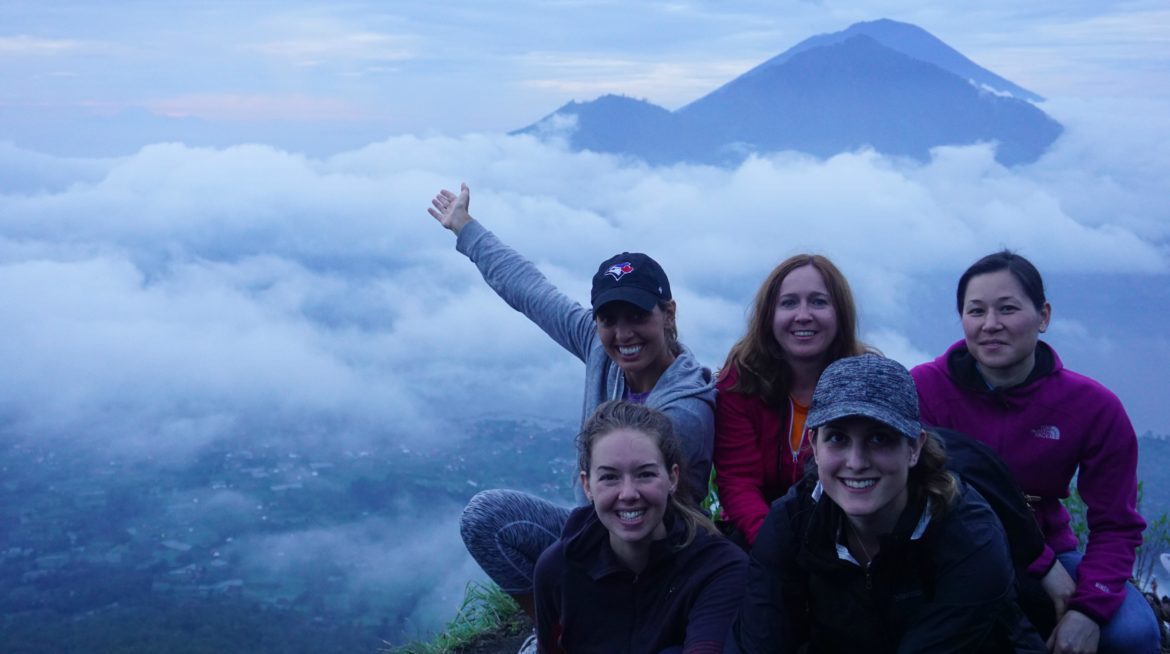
(588, 601)
(949, 590)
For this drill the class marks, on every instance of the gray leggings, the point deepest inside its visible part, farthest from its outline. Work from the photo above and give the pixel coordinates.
(506, 531)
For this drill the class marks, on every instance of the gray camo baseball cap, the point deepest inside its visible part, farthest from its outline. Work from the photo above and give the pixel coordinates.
(869, 386)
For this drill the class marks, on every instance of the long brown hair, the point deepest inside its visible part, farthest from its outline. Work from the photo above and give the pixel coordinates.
(762, 365)
(618, 414)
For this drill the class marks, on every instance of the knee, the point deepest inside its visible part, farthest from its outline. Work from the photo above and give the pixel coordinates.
(479, 510)
(1133, 629)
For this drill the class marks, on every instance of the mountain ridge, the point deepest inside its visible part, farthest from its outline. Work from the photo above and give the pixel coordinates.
(828, 94)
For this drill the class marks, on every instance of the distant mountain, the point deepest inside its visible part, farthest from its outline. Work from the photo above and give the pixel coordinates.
(883, 84)
(914, 42)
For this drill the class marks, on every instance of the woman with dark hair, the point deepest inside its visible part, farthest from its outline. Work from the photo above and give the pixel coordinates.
(1007, 388)
(802, 319)
(639, 570)
(629, 344)
(888, 551)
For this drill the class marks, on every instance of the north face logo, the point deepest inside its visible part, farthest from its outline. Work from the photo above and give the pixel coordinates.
(1051, 432)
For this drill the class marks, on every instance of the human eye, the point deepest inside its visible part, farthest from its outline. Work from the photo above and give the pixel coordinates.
(606, 476)
(819, 301)
(604, 319)
(835, 437)
(883, 438)
(975, 311)
(1009, 308)
(787, 302)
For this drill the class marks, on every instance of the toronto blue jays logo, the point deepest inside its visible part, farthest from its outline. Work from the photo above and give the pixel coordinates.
(619, 270)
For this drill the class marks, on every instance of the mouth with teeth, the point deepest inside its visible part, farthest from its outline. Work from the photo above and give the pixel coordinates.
(629, 350)
(803, 333)
(631, 516)
(859, 484)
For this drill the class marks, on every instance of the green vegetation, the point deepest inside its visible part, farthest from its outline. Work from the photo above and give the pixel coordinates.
(1155, 539)
(486, 610)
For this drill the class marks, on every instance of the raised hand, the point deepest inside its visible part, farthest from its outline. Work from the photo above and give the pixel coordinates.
(451, 210)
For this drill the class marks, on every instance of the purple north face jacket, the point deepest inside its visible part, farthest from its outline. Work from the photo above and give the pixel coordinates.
(1046, 429)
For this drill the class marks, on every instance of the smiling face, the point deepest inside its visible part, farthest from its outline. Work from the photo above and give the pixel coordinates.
(629, 486)
(636, 340)
(804, 323)
(863, 466)
(1001, 326)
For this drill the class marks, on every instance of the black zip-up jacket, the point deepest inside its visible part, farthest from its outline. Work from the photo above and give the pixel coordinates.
(950, 590)
(588, 601)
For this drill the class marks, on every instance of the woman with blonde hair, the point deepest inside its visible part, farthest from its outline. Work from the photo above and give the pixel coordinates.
(639, 570)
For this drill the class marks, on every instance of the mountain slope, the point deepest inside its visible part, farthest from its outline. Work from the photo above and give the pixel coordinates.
(914, 42)
(857, 93)
(829, 94)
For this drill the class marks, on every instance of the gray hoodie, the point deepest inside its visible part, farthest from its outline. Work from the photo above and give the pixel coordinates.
(685, 393)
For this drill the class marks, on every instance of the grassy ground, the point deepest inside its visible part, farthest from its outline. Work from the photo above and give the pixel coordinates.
(487, 622)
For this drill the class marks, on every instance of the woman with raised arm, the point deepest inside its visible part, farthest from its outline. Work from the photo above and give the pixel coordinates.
(639, 570)
(1007, 388)
(630, 347)
(803, 318)
(887, 551)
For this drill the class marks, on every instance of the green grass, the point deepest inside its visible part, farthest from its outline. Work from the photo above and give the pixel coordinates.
(486, 610)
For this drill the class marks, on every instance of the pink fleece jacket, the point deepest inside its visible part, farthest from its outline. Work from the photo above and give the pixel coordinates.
(1048, 428)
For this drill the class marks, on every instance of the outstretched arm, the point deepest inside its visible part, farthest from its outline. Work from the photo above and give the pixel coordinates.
(451, 210)
(513, 277)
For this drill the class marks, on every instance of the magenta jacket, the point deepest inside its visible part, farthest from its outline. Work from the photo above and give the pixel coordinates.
(1047, 428)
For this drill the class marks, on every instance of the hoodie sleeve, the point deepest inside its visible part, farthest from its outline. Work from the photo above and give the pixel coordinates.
(717, 603)
(973, 589)
(1107, 482)
(527, 290)
(547, 598)
(687, 398)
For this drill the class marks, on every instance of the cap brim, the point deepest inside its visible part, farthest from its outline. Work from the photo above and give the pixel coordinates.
(644, 300)
(842, 410)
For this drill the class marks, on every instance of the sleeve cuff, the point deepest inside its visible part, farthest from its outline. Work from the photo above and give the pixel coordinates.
(1043, 563)
(1095, 616)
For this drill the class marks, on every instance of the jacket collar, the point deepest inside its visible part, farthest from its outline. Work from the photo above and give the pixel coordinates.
(824, 534)
(963, 369)
(587, 543)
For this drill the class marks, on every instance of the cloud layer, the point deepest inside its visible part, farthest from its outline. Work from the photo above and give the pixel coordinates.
(214, 286)
(160, 303)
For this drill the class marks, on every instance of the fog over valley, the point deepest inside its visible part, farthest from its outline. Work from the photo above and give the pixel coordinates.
(253, 335)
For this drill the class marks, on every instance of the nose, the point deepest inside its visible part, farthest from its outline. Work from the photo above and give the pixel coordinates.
(857, 457)
(991, 322)
(628, 490)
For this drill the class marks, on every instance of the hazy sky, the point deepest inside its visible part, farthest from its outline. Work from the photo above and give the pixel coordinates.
(333, 75)
(177, 289)
(165, 286)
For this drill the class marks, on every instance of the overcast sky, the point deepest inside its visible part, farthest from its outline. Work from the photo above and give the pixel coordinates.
(363, 70)
(158, 295)
(175, 288)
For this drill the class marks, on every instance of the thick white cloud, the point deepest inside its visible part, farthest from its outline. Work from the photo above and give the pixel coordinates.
(160, 303)
(187, 291)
